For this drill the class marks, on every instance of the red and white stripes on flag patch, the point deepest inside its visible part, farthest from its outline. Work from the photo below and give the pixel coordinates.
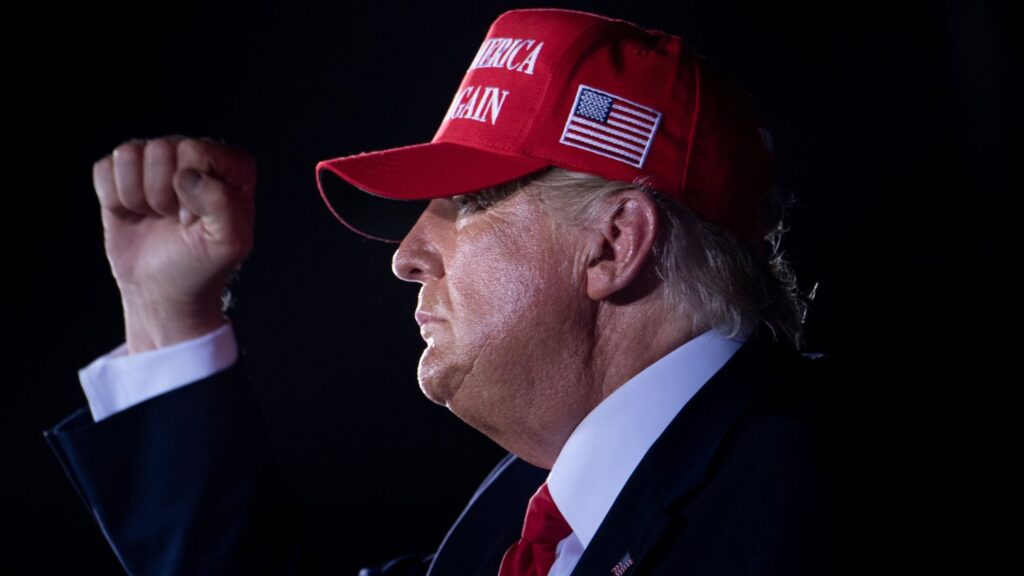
(611, 126)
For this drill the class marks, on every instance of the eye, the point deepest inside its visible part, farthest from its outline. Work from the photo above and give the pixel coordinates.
(468, 203)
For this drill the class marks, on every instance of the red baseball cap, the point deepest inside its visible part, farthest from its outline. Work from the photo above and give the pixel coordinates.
(553, 87)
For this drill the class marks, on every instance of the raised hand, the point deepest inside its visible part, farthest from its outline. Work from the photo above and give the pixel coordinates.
(178, 217)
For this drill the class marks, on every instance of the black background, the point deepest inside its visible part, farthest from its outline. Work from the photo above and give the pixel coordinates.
(890, 123)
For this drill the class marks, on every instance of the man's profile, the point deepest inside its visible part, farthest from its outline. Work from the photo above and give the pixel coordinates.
(600, 294)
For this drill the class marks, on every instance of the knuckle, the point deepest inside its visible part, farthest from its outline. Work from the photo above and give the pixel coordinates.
(187, 146)
(127, 150)
(99, 166)
(159, 148)
(212, 141)
(192, 152)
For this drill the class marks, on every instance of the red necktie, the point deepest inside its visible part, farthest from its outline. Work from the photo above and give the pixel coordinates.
(543, 529)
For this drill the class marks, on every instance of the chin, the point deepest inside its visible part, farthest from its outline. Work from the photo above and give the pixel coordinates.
(430, 389)
(432, 394)
(435, 379)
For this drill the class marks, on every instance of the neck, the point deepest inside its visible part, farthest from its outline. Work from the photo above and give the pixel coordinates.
(622, 341)
(633, 340)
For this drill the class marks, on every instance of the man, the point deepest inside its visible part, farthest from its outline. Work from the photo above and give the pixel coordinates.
(596, 297)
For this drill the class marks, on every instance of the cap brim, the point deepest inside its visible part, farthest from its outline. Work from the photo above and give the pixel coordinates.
(419, 172)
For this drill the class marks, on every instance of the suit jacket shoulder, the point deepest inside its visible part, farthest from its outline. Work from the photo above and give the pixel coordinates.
(749, 478)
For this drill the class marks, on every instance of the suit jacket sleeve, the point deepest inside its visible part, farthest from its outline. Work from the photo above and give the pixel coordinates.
(186, 483)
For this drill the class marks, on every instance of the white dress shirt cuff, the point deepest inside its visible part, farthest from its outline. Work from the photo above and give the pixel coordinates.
(117, 380)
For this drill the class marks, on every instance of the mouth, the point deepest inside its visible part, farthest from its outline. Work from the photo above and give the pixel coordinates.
(423, 318)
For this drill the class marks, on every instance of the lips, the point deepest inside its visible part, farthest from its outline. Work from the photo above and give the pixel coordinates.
(425, 317)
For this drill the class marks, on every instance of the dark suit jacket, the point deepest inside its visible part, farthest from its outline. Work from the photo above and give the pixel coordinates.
(753, 476)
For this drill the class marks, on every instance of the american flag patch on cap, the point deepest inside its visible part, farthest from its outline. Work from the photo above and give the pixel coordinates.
(611, 126)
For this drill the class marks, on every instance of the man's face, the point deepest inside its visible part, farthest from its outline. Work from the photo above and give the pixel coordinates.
(500, 309)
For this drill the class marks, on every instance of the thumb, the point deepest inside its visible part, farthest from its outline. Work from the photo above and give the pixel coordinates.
(205, 198)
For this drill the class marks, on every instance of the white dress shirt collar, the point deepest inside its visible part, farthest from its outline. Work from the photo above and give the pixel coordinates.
(604, 449)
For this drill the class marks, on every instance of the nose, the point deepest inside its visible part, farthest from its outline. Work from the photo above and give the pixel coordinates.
(418, 256)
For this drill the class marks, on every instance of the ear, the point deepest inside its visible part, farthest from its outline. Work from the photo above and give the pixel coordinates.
(621, 243)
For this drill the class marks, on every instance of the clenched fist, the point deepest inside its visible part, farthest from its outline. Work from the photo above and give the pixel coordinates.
(178, 217)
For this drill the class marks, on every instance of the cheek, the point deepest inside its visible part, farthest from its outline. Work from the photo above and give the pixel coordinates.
(491, 294)
(498, 286)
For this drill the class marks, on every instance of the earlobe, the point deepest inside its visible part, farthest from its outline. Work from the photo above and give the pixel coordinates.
(621, 244)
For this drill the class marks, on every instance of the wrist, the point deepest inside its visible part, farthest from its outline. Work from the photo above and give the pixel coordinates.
(151, 325)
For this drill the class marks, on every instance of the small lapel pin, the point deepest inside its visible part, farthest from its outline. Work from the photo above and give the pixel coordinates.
(623, 565)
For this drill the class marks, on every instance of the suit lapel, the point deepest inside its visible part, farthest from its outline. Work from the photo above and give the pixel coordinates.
(490, 523)
(677, 463)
